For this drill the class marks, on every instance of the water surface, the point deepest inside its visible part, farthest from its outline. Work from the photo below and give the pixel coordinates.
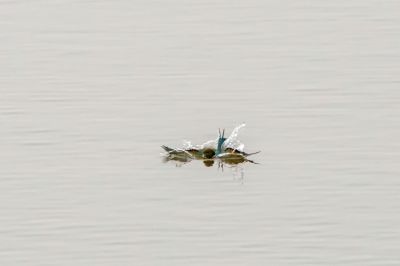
(89, 90)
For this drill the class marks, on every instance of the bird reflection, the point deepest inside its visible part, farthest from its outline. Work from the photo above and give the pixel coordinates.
(208, 162)
(226, 151)
(231, 159)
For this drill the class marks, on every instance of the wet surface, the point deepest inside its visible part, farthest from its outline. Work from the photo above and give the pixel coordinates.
(91, 90)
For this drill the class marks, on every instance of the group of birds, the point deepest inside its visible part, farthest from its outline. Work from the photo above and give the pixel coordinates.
(226, 150)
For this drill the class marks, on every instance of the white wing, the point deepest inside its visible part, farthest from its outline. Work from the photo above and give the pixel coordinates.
(232, 141)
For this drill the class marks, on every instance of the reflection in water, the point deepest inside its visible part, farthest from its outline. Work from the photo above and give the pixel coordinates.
(234, 164)
(226, 151)
(182, 159)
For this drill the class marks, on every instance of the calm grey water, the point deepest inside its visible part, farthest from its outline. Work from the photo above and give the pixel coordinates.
(89, 90)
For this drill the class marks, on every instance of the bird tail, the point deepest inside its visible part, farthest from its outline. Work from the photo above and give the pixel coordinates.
(251, 161)
(252, 153)
(166, 148)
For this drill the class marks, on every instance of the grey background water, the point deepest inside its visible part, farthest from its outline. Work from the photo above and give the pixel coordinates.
(89, 90)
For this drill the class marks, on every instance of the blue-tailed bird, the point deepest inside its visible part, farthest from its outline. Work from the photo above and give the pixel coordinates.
(225, 149)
